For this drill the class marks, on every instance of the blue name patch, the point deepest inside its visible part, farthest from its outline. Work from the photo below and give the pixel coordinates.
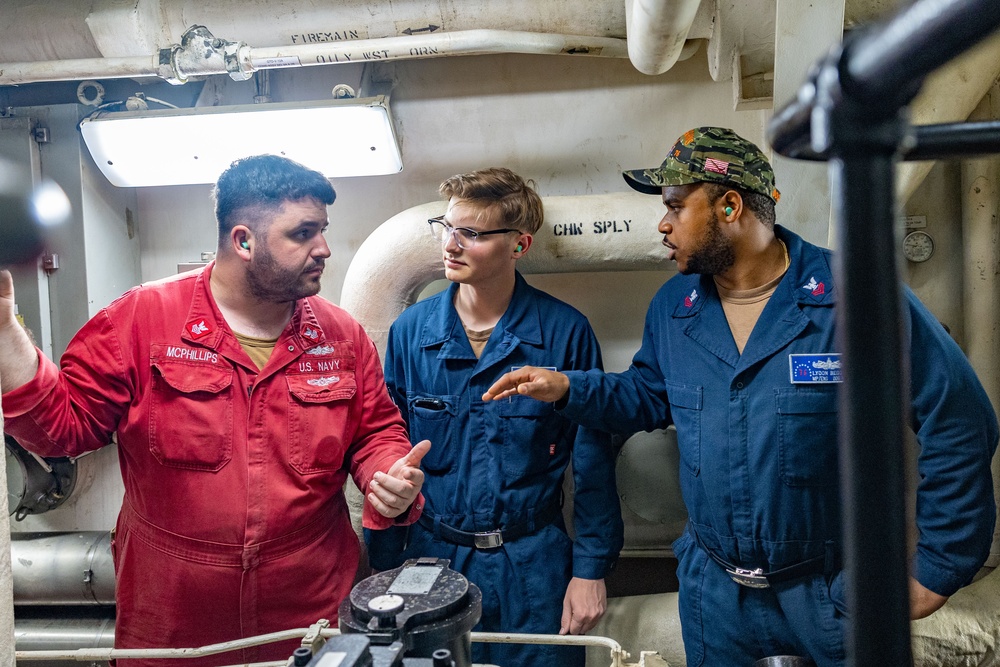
(811, 368)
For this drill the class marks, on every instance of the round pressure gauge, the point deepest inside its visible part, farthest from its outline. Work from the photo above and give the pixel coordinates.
(918, 246)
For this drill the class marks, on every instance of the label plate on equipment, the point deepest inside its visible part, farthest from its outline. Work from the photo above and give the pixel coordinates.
(415, 580)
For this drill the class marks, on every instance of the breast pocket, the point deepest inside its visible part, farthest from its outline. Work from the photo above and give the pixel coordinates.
(319, 420)
(191, 416)
(531, 433)
(807, 436)
(685, 412)
(432, 417)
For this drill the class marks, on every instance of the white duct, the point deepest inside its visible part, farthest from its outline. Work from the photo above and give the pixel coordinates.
(610, 232)
(657, 30)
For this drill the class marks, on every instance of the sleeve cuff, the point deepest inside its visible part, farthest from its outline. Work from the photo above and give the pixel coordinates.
(592, 568)
(25, 398)
(372, 520)
(937, 580)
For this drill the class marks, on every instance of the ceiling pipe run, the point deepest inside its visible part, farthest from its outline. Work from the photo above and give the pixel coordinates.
(657, 31)
(609, 232)
(202, 54)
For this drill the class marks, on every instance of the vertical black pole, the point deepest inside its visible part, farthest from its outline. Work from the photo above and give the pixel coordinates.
(872, 407)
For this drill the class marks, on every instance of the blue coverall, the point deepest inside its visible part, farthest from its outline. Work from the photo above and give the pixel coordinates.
(759, 457)
(500, 464)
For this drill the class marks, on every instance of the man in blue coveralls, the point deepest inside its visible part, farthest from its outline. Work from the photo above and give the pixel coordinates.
(493, 480)
(739, 353)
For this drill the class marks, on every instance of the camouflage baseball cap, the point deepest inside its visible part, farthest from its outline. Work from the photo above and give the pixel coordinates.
(713, 155)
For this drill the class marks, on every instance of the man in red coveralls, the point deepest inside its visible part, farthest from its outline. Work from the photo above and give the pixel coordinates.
(241, 401)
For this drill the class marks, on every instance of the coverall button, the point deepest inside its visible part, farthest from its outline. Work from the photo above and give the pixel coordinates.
(739, 385)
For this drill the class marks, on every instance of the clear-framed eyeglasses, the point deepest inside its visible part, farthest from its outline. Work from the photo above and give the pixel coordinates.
(465, 238)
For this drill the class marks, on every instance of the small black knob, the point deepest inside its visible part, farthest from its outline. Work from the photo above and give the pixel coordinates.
(301, 656)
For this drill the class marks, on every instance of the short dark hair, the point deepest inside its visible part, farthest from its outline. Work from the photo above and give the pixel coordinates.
(499, 191)
(760, 205)
(260, 184)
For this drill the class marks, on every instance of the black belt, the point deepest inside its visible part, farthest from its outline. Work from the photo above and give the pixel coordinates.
(490, 539)
(757, 578)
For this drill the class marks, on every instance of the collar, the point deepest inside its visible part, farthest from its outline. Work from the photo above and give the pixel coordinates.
(520, 320)
(809, 278)
(206, 326)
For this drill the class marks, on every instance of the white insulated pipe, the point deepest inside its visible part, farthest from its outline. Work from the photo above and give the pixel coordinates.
(609, 232)
(657, 31)
(6, 577)
(431, 45)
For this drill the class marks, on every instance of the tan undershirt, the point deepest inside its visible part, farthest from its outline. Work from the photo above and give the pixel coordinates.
(478, 339)
(258, 349)
(743, 307)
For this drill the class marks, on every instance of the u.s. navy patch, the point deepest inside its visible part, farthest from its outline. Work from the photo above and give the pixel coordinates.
(812, 368)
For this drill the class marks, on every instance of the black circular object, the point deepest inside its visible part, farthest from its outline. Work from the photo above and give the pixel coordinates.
(439, 609)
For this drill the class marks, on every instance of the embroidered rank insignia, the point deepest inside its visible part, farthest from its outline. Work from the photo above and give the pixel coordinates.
(198, 329)
(815, 288)
(691, 298)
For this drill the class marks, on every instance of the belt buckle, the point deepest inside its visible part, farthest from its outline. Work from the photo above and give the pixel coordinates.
(750, 578)
(488, 540)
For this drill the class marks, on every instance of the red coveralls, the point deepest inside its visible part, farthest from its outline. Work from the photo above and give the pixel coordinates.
(234, 521)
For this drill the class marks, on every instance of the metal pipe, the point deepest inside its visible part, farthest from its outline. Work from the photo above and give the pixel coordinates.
(249, 60)
(657, 30)
(926, 142)
(63, 568)
(64, 634)
(871, 409)
(618, 655)
(885, 67)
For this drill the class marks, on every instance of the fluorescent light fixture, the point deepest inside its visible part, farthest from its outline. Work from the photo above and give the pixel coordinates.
(352, 137)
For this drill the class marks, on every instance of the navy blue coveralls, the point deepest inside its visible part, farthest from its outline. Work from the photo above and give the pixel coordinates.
(759, 457)
(500, 465)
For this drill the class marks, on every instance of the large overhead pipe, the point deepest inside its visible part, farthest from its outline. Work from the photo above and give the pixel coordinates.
(852, 110)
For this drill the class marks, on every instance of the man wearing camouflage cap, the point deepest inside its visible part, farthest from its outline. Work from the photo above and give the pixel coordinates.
(739, 353)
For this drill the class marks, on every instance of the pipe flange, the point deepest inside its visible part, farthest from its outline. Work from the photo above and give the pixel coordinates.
(90, 85)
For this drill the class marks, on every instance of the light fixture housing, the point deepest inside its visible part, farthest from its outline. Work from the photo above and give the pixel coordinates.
(348, 137)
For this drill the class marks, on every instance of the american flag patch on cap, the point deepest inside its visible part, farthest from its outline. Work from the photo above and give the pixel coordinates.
(718, 166)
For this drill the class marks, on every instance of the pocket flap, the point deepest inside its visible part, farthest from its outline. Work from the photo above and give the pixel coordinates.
(684, 395)
(189, 378)
(322, 388)
(806, 401)
(522, 406)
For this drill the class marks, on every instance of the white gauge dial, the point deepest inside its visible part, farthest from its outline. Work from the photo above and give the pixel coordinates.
(918, 246)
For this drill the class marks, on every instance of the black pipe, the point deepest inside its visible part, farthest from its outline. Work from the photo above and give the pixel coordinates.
(926, 142)
(872, 457)
(884, 68)
(849, 111)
